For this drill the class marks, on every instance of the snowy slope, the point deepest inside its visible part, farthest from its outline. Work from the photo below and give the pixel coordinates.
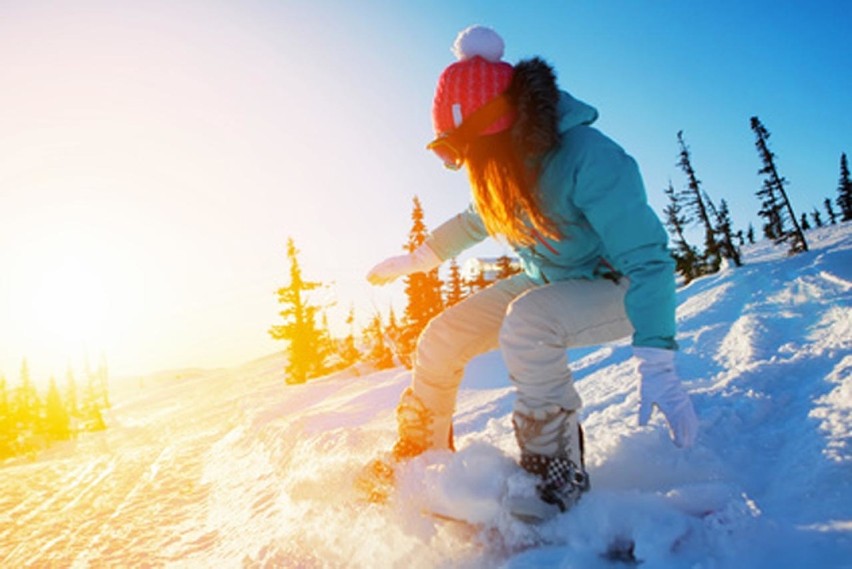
(233, 469)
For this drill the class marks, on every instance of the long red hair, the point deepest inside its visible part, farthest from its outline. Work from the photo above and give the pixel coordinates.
(504, 187)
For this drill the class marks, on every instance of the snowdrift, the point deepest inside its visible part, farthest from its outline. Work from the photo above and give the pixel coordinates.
(232, 468)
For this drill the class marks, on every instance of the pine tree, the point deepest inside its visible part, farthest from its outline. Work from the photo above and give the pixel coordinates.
(685, 255)
(300, 330)
(392, 325)
(777, 208)
(349, 353)
(844, 190)
(832, 217)
(326, 346)
(750, 234)
(27, 405)
(95, 396)
(803, 222)
(816, 217)
(770, 205)
(71, 393)
(395, 335)
(379, 353)
(57, 420)
(91, 406)
(455, 284)
(70, 396)
(423, 290)
(727, 248)
(770, 211)
(102, 377)
(7, 427)
(711, 256)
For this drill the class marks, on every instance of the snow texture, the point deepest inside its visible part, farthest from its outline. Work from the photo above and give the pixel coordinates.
(231, 468)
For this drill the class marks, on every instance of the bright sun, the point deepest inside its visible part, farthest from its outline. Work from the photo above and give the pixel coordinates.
(61, 291)
(69, 305)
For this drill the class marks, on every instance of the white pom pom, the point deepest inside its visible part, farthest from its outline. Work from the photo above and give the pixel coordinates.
(478, 40)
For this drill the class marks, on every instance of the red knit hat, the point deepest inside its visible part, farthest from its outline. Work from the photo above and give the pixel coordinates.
(478, 77)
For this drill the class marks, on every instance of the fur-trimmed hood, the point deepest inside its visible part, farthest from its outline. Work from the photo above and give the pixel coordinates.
(543, 111)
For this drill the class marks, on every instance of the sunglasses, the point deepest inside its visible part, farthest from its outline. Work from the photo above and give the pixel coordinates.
(451, 147)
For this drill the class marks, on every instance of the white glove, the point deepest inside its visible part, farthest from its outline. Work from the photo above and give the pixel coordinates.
(661, 387)
(422, 260)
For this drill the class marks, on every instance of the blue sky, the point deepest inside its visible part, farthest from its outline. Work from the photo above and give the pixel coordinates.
(155, 157)
(653, 68)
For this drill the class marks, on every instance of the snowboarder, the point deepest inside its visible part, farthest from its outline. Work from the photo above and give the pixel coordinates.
(572, 205)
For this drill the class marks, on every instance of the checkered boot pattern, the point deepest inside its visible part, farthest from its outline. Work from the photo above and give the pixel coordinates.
(551, 443)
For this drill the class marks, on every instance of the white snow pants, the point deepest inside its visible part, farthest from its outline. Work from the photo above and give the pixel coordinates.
(533, 325)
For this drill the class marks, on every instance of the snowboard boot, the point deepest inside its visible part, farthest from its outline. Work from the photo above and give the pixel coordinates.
(551, 442)
(419, 430)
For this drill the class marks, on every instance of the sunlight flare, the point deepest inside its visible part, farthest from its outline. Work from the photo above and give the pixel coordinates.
(69, 305)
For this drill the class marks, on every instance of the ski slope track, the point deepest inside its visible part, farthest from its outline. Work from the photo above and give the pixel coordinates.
(231, 468)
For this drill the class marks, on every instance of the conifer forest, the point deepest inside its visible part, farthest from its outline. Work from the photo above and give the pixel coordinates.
(389, 339)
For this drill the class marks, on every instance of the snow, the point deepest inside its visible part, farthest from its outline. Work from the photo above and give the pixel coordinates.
(231, 468)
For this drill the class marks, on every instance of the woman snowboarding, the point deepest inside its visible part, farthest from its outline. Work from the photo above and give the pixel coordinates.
(572, 205)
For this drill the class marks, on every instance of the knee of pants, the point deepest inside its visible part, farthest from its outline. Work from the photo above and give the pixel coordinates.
(528, 326)
(534, 351)
(440, 351)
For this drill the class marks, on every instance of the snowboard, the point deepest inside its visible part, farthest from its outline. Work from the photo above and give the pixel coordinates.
(376, 483)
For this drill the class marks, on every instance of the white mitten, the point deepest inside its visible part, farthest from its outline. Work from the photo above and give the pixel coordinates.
(421, 260)
(661, 387)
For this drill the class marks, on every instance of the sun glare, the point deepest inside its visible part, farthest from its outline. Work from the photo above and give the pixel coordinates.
(61, 289)
(68, 305)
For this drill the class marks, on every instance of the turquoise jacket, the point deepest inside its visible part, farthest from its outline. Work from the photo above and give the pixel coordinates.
(594, 192)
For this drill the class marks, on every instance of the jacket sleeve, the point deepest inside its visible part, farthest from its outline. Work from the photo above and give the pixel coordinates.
(610, 193)
(457, 234)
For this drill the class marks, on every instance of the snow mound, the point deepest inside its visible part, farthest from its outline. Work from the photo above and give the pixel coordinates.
(234, 469)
